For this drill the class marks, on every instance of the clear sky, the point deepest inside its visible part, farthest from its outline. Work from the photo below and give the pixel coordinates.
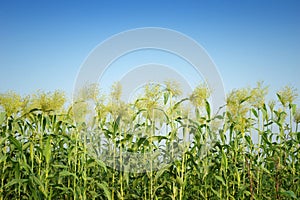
(43, 43)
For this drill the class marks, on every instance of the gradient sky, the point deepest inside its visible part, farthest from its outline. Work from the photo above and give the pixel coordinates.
(43, 43)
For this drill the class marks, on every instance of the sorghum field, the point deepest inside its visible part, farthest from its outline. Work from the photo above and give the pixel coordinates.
(50, 149)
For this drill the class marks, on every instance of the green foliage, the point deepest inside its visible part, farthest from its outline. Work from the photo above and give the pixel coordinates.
(47, 152)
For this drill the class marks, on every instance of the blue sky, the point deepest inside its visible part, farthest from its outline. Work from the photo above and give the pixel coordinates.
(43, 43)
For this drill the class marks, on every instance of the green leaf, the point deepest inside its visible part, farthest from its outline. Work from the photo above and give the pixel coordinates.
(101, 164)
(249, 140)
(105, 188)
(60, 166)
(2, 140)
(280, 98)
(268, 124)
(288, 193)
(179, 181)
(219, 178)
(166, 97)
(254, 112)
(224, 160)
(67, 173)
(47, 150)
(207, 106)
(44, 123)
(179, 102)
(245, 99)
(37, 181)
(15, 181)
(3, 158)
(293, 108)
(25, 146)
(216, 192)
(15, 142)
(2, 117)
(116, 124)
(140, 142)
(161, 171)
(157, 138)
(218, 117)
